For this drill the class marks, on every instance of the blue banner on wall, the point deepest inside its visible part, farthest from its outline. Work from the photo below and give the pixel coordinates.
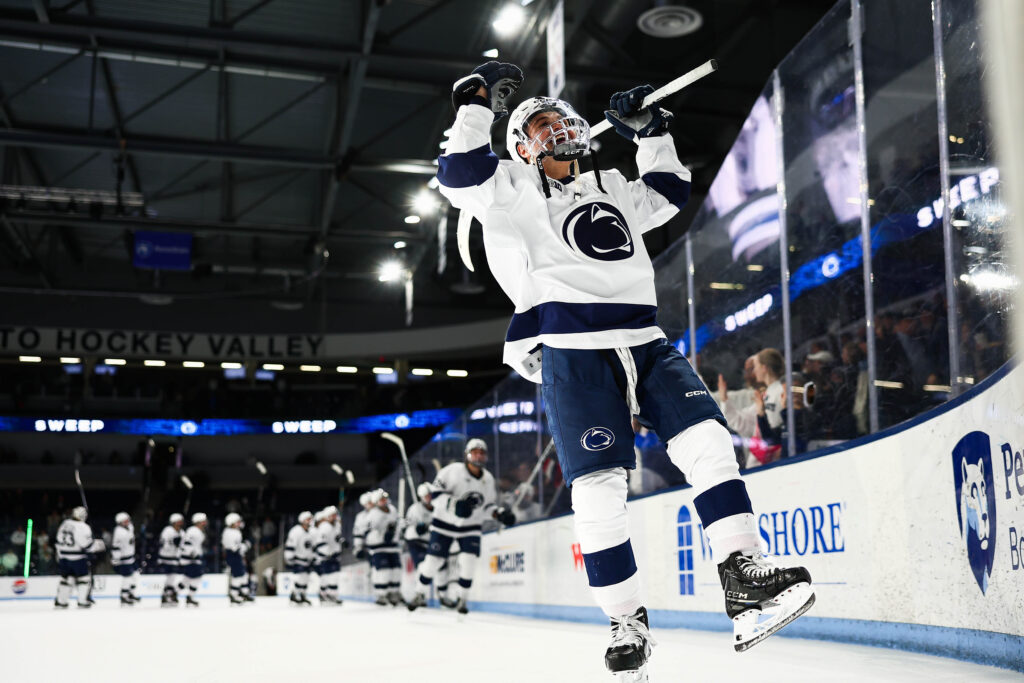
(162, 250)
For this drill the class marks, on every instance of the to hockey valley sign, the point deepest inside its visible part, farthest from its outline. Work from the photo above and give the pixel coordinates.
(69, 341)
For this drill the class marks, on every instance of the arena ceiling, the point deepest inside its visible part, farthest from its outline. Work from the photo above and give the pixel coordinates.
(290, 138)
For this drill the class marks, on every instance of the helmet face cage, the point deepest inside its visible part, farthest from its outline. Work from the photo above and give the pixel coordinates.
(565, 139)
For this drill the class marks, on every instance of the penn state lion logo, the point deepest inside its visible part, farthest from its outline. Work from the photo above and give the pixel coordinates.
(597, 439)
(598, 230)
(976, 504)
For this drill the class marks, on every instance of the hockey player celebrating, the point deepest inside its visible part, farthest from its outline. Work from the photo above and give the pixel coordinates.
(122, 556)
(328, 551)
(359, 526)
(191, 556)
(464, 495)
(235, 549)
(382, 544)
(567, 248)
(170, 546)
(74, 543)
(417, 524)
(298, 557)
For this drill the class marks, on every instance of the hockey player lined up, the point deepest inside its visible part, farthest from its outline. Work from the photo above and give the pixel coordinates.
(122, 556)
(359, 526)
(191, 557)
(328, 552)
(74, 543)
(567, 248)
(382, 544)
(170, 546)
(417, 524)
(235, 549)
(464, 495)
(298, 557)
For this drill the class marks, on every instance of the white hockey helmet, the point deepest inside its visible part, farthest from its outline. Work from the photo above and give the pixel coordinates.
(476, 445)
(366, 499)
(122, 517)
(423, 490)
(199, 518)
(329, 511)
(318, 517)
(232, 518)
(176, 518)
(564, 138)
(80, 513)
(305, 516)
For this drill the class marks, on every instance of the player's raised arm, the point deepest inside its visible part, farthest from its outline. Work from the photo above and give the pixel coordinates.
(468, 170)
(664, 184)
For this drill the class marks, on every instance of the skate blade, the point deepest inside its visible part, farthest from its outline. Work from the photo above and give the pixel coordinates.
(635, 676)
(753, 626)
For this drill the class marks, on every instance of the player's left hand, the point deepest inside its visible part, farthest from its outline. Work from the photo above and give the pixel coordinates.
(505, 516)
(630, 119)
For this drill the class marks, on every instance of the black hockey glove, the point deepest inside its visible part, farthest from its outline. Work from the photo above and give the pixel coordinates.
(501, 81)
(629, 118)
(505, 516)
(464, 508)
(361, 554)
(389, 533)
(422, 528)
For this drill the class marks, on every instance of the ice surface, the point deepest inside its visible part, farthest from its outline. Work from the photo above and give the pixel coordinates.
(359, 642)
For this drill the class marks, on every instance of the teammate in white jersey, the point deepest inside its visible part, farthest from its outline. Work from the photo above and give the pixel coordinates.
(235, 548)
(191, 556)
(464, 495)
(122, 556)
(298, 557)
(74, 543)
(382, 544)
(359, 526)
(170, 546)
(328, 552)
(417, 524)
(567, 248)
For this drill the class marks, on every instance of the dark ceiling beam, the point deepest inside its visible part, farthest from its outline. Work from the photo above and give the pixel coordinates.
(27, 253)
(42, 77)
(386, 38)
(252, 9)
(214, 151)
(201, 227)
(41, 10)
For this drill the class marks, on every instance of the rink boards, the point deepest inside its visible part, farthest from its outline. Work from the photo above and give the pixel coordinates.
(914, 538)
(14, 589)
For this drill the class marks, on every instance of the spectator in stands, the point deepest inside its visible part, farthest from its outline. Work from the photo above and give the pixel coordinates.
(9, 562)
(769, 367)
(268, 533)
(18, 538)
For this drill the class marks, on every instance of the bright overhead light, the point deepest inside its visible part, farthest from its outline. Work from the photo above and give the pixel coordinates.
(30, 359)
(194, 364)
(114, 361)
(960, 223)
(490, 54)
(347, 369)
(755, 268)
(309, 368)
(70, 359)
(423, 372)
(154, 363)
(383, 371)
(273, 366)
(425, 203)
(230, 366)
(392, 270)
(400, 244)
(938, 387)
(509, 19)
(412, 219)
(886, 384)
(457, 373)
(726, 285)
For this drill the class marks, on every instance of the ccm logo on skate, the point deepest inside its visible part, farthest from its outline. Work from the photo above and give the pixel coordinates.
(597, 439)
(976, 503)
(19, 586)
(599, 231)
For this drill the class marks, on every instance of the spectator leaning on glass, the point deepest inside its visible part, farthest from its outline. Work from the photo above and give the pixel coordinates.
(769, 367)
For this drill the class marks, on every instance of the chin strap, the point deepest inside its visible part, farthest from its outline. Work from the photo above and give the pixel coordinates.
(597, 171)
(576, 175)
(543, 176)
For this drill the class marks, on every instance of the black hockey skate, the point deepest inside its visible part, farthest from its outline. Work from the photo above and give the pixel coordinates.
(304, 601)
(126, 599)
(761, 598)
(60, 605)
(395, 598)
(169, 598)
(86, 605)
(448, 603)
(382, 600)
(236, 599)
(626, 657)
(418, 600)
(460, 606)
(248, 598)
(191, 602)
(298, 601)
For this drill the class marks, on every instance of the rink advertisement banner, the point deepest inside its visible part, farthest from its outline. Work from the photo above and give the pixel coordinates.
(923, 525)
(105, 586)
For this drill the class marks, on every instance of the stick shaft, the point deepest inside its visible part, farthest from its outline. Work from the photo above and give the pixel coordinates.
(81, 489)
(536, 468)
(398, 441)
(689, 78)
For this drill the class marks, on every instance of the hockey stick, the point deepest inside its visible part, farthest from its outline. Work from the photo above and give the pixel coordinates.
(388, 436)
(81, 489)
(529, 480)
(689, 78)
(188, 496)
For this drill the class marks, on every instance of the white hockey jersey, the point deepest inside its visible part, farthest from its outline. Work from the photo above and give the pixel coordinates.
(74, 540)
(191, 551)
(382, 529)
(231, 541)
(575, 268)
(170, 545)
(122, 545)
(328, 540)
(417, 515)
(359, 529)
(455, 483)
(298, 546)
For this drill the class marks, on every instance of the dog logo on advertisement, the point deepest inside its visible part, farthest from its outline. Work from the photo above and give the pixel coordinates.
(976, 503)
(599, 231)
(597, 439)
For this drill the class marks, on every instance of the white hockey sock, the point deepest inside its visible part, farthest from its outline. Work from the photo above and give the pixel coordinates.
(64, 590)
(84, 583)
(602, 528)
(237, 585)
(128, 583)
(301, 583)
(704, 453)
(193, 586)
(467, 566)
(428, 570)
